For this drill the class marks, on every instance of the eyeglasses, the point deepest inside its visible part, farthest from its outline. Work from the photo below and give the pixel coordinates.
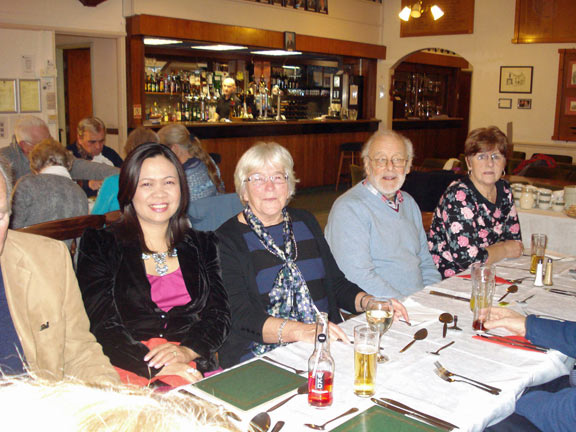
(397, 162)
(260, 180)
(496, 157)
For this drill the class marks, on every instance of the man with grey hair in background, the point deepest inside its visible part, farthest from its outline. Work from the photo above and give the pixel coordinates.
(375, 231)
(29, 131)
(44, 329)
(228, 101)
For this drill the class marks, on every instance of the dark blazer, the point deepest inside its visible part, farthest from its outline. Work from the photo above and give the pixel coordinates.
(116, 294)
(248, 310)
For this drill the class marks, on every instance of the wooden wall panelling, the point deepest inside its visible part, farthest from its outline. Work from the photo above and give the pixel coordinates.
(565, 119)
(458, 19)
(135, 78)
(544, 21)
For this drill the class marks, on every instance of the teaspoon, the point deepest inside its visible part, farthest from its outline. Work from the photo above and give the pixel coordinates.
(510, 290)
(261, 421)
(445, 318)
(419, 335)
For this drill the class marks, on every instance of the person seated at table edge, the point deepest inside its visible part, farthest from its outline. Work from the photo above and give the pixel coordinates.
(375, 230)
(107, 199)
(49, 193)
(550, 407)
(151, 285)
(91, 145)
(29, 131)
(276, 265)
(476, 219)
(44, 327)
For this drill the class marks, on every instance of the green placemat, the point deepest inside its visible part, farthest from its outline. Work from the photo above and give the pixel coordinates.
(250, 385)
(383, 420)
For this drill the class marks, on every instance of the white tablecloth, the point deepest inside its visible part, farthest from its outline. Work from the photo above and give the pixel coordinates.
(560, 229)
(409, 377)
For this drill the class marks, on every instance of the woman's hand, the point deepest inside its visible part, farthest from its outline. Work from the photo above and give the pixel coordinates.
(306, 332)
(513, 248)
(399, 310)
(167, 354)
(504, 249)
(183, 370)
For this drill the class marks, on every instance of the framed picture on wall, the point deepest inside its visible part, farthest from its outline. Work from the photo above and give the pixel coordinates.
(570, 106)
(505, 103)
(8, 101)
(572, 72)
(289, 41)
(29, 90)
(524, 103)
(516, 79)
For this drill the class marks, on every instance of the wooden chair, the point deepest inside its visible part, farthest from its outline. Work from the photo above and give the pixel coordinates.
(427, 220)
(357, 173)
(348, 152)
(66, 229)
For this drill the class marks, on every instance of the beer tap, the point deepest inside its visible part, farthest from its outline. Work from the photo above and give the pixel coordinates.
(277, 92)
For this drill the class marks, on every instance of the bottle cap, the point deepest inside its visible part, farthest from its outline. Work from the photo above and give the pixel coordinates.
(549, 260)
(321, 338)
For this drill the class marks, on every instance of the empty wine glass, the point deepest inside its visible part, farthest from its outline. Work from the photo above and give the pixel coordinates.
(379, 315)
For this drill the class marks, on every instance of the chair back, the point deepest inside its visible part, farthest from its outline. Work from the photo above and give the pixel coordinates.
(427, 220)
(66, 229)
(357, 173)
(207, 214)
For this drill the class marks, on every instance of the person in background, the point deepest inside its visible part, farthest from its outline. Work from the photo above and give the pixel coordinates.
(550, 407)
(44, 330)
(49, 193)
(202, 173)
(151, 285)
(276, 265)
(90, 145)
(107, 199)
(69, 406)
(227, 102)
(476, 219)
(28, 132)
(375, 230)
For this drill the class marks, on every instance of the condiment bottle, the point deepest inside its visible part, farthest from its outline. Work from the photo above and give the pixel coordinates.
(321, 368)
(548, 273)
(539, 273)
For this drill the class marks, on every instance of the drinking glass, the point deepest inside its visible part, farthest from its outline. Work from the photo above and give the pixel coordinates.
(483, 285)
(366, 344)
(538, 250)
(380, 314)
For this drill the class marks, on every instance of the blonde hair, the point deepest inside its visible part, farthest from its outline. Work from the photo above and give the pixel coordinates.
(140, 135)
(70, 406)
(91, 124)
(257, 157)
(49, 152)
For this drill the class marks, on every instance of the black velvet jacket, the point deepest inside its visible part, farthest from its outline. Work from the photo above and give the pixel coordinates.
(117, 297)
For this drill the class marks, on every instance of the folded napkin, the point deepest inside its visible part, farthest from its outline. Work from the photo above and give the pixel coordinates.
(420, 314)
(497, 279)
(509, 340)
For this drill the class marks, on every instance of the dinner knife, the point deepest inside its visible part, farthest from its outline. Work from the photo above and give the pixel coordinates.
(558, 291)
(441, 294)
(409, 412)
(515, 343)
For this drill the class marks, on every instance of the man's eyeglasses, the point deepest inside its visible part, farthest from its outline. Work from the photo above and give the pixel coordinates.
(260, 180)
(496, 157)
(397, 162)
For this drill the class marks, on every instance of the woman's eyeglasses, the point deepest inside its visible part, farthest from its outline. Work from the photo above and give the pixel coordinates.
(397, 162)
(496, 157)
(260, 180)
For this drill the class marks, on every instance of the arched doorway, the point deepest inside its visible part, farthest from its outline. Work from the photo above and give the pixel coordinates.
(430, 98)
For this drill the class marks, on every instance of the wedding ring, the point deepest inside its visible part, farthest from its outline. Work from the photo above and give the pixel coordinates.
(174, 353)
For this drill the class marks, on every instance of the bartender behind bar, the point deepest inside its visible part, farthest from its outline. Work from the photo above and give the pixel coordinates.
(227, 101)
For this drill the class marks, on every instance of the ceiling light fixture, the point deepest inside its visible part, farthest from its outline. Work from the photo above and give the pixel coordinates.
(153, 41)
(219, 47)
(417, 9)
(276, 53)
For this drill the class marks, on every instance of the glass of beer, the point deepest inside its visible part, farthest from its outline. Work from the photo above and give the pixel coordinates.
(483, 285)
(365, 352)
(538, 250)
(379, 315)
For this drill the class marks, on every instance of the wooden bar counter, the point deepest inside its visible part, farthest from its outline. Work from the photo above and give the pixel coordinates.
(314, 144)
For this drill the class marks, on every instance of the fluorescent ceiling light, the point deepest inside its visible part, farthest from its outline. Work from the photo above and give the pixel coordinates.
(219, 47)
(152, 41)
(276, 53)
(436, 12)
(405, 14)
(290, 67)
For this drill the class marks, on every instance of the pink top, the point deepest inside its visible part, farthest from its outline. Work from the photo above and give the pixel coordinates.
(168, 291)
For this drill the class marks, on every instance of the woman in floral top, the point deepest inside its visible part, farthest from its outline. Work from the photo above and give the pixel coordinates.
(476, 219)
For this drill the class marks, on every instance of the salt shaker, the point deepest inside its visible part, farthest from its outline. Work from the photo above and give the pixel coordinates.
(539, 273)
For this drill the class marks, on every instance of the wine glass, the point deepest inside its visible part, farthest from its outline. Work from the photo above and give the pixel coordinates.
(379, 315)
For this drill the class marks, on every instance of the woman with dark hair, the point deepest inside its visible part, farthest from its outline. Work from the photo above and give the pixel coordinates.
(476, 219)
(151, 285)
(202, 174)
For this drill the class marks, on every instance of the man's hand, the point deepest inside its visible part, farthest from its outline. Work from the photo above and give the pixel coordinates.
(508, 319)
(95, 184)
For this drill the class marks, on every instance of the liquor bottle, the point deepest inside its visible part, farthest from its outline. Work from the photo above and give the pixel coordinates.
(321, 367)
(161, 83)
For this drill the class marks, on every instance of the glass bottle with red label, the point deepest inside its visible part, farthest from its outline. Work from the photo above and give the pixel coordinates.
(321, 367)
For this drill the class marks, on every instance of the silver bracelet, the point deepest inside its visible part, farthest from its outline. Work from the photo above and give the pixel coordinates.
(363, 308)
(280, 329)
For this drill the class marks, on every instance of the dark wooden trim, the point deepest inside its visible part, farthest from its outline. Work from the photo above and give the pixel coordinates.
(427, 124)
(151, 25)
(437, 60)
(112, 131)
(559, 95)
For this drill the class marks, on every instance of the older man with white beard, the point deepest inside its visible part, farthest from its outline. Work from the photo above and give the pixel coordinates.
(375, 231)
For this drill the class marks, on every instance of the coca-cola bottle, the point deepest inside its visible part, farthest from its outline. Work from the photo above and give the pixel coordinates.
(321, 367)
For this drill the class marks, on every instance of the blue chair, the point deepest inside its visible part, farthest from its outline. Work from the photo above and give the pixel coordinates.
(207, 214)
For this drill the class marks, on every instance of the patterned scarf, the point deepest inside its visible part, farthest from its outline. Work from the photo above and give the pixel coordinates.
(289, 297)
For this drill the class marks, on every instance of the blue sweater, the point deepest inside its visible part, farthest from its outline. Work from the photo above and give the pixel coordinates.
(383, 251)
(551, 411)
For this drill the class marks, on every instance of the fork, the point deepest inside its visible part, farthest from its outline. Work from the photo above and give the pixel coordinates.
(451, 380)
(445, 372)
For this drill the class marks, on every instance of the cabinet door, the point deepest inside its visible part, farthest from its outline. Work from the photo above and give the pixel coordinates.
(565, 121)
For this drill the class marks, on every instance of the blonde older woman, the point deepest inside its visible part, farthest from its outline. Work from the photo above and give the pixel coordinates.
(476, 219)
(49, 193)
(276, 265)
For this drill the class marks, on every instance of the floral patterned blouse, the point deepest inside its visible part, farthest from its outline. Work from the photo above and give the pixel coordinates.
(465, 223)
